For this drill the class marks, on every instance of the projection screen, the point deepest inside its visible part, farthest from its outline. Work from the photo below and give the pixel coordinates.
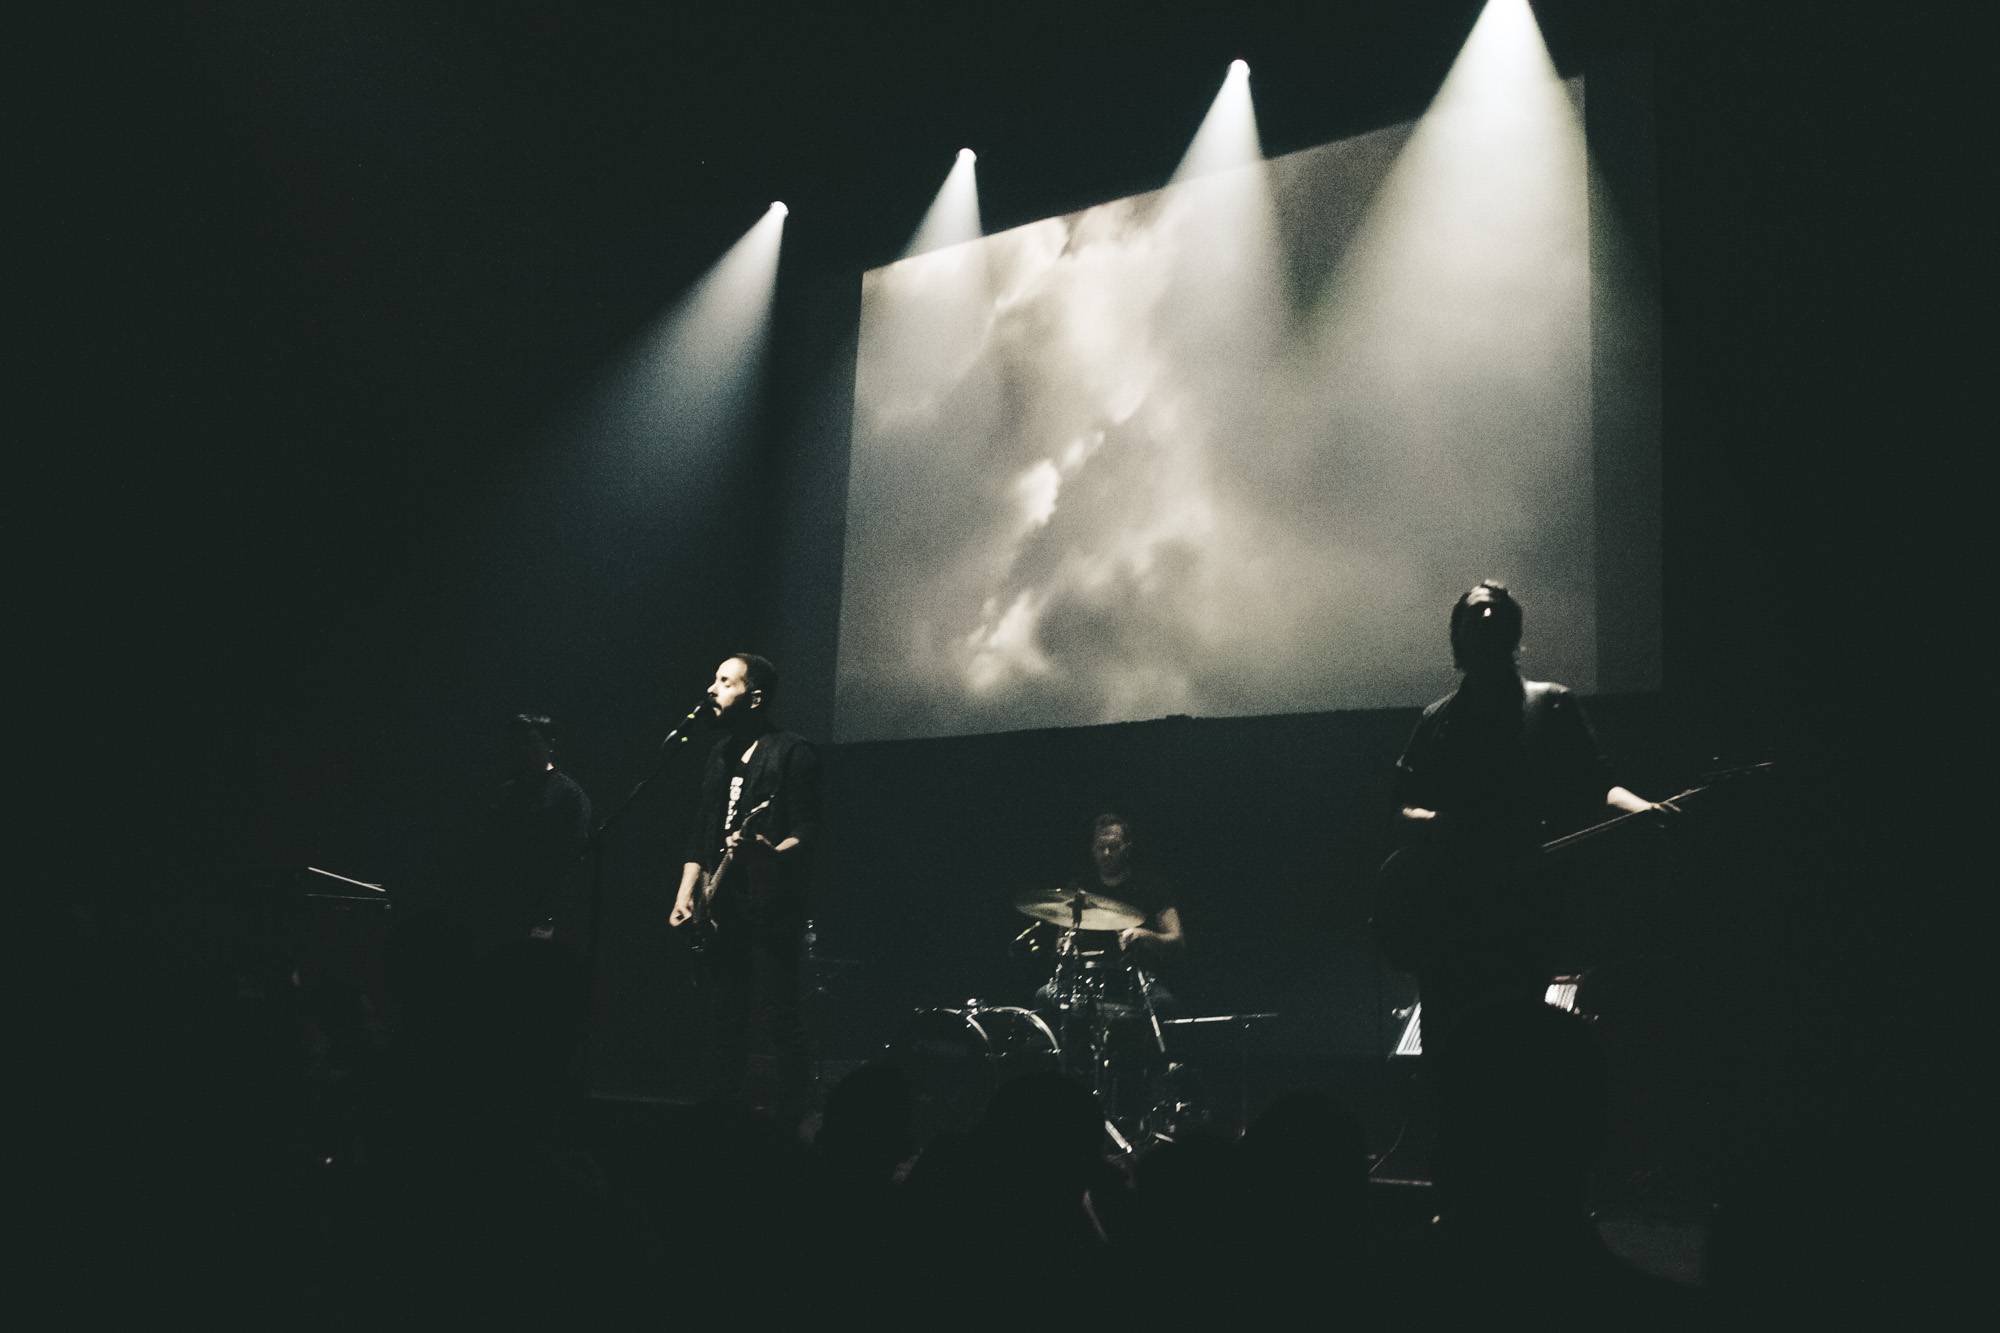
(1231, 447)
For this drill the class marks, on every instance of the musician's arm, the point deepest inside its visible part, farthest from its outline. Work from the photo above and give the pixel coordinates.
(801, 787)
(684, 897)
(699, 831)
(691, 869)
(1579, 742)
(1165, 936)
(1416, 815)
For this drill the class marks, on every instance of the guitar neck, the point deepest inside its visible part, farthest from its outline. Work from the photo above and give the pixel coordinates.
(721, 869)
(1605, 826)
(729, 851)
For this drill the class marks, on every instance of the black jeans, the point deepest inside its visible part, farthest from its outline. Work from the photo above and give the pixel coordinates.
(758, 1040)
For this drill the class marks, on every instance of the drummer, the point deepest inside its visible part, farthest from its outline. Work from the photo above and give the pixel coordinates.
(1123, 873)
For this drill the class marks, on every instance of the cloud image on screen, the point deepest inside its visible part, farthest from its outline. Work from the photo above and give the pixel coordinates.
(1231, 447)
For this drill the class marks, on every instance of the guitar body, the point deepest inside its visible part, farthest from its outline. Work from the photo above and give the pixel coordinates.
(700, 929)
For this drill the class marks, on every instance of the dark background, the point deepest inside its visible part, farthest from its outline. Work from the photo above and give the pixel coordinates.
(314, 504)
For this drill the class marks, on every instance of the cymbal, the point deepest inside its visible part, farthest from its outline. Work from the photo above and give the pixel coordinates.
(1059, 907)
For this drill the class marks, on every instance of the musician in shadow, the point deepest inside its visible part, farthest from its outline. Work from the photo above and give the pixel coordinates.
(524, 881)
(759, 802)
(1494, 769)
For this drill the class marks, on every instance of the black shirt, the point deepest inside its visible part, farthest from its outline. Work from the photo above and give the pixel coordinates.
(1149, 892)
(783, 770)
(1512, 760)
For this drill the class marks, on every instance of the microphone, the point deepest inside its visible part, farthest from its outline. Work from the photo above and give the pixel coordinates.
(679, 734)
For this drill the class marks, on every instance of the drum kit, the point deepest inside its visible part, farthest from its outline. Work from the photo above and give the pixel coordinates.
(1097, 1020)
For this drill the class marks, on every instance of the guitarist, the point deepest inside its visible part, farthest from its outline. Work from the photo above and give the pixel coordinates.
(1493, 770)
(759, 908)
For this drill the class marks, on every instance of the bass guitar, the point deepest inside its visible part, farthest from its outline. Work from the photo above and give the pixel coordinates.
(1430, 896)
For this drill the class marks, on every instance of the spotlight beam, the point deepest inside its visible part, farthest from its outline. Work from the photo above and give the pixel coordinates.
(953, 216)
(710, 349)
(1227, 138)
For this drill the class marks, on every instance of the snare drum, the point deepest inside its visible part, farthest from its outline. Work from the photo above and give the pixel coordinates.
(1105, 984)
(955, 1058)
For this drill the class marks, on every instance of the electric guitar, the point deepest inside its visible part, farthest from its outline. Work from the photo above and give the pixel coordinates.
(700, 925)
(1429, 896)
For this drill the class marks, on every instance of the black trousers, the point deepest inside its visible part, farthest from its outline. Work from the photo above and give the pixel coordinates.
(1451, 994)
(757, 1040)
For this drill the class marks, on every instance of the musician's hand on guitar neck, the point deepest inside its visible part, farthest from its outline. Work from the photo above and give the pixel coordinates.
(1627, 801)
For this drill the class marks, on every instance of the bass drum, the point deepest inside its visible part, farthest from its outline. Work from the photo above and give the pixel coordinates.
(955, 1058)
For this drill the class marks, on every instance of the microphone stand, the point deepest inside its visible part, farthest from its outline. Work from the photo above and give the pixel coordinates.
(675, 739)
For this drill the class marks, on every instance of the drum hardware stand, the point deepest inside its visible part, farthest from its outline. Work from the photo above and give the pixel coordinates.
(1152, 1013)
(1068, 988)
(1241, 1024)
(1072, 995)
(812, 994)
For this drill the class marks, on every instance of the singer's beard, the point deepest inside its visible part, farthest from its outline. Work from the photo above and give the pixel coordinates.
(741, 720)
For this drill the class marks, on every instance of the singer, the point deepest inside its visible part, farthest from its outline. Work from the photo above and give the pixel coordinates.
(760, 797)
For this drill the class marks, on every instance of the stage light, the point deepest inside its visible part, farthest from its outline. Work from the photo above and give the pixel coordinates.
(1495, 168)
(1227, 137)
(1220, 200)
(709, 351)
(1469, 274)
(953, 216)
(779, 208)
(675, 412)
